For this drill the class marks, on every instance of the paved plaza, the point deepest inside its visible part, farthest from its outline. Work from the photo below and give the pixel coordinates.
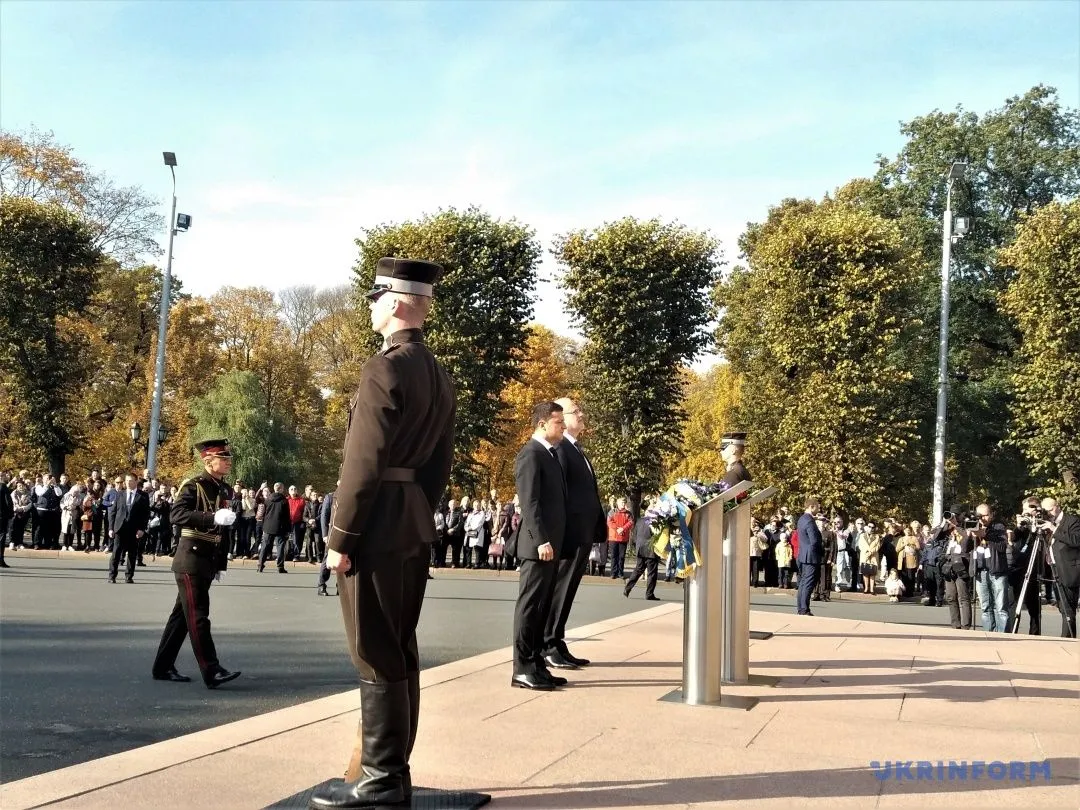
(859, 682)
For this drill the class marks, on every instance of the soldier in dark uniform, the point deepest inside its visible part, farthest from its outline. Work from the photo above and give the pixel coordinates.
(202, 511)
(731, 450)
(396, 465)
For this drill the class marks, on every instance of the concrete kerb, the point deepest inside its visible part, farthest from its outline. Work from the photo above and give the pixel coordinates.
(76, 780)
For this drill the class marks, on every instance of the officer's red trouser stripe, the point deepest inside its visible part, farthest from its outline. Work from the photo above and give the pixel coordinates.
(196, 642)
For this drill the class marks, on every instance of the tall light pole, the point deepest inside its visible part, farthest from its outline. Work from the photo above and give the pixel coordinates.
(956, 172)
(163, 326)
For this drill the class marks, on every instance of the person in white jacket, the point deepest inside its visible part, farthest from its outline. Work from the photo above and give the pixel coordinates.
(474, 534)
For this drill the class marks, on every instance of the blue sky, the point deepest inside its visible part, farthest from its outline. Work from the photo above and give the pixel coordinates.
(296, 124)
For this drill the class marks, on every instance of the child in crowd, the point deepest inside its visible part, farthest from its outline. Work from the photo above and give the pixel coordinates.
(894, 586)
(784, 554)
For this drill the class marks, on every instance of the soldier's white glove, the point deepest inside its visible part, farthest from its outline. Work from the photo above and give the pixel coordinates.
(224, 517)
(220, 575)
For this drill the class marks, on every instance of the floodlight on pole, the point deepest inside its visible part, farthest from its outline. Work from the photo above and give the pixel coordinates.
(163, 325)
(956, 172)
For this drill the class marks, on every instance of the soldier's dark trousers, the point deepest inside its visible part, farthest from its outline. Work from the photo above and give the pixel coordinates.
(125, 541)
(190, 616)
(567, 579)
(380, 604)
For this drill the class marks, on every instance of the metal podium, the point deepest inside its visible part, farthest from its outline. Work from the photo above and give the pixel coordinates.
(716, 618)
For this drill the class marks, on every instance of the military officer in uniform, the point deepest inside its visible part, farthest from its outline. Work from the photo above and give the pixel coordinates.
(732, 446)
(202, 511)
(395, 467)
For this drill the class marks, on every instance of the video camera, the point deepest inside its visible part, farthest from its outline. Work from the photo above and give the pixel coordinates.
(968, 520)
(1033, 519)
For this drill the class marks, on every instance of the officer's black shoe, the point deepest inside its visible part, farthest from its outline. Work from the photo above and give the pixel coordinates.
(385, 727)
(322, 591)
(653, 598)
(555, 679)
(219, 677)
(558, 660)
(172, 675)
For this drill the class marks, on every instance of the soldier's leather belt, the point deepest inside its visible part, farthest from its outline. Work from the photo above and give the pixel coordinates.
(402, 475)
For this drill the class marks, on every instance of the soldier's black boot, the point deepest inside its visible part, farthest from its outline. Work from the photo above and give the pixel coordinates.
(385, 728)
(414, 720)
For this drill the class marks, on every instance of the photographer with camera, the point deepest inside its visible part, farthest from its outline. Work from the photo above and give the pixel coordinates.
(1021, 546)
(1065, 548)
(954, 565)
(990, 568)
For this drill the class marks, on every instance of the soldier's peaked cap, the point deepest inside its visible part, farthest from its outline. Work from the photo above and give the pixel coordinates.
(411, 276)
(213, 447)
(737, 439)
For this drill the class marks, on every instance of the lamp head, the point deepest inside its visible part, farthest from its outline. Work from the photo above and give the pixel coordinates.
(957, 170)
(183, 222)
(170, 158)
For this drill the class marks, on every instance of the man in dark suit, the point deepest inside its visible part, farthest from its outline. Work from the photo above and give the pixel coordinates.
(585, 525)
(811, 551)
(1065, 545)
(202, 511)
(128, 517)
(396, 464)
(325, 511)
(537, 544)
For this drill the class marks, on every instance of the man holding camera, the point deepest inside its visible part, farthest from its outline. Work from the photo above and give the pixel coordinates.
(1065, 548)
(1022, 546)
(990, 568)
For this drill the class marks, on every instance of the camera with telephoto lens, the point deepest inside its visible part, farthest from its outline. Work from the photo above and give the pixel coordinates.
(1032, 520)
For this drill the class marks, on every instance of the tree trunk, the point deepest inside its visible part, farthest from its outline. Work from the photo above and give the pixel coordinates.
(635, 502)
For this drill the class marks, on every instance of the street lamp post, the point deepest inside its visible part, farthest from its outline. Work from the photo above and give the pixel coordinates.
(181, 223)
(956, 172)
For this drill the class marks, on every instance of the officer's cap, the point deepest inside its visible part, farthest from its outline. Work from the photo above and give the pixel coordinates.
(213, 447)
(411, 276)
(737, 439)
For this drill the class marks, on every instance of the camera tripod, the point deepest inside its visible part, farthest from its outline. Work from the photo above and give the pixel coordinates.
(1039, 541)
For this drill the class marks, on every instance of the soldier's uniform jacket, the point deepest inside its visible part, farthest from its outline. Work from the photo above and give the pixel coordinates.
(204, 546)
(398, 450)
(737, 474)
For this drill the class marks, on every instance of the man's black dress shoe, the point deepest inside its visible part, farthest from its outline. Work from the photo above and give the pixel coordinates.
(573, 659)
(537, 682)
(171, 675)
(558, 660)
(653, 598)
(555, 679)
(220, 677)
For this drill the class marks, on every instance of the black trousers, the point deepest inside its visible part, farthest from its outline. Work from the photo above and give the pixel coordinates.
(824, 583)
(269, 540)
(808, 577)
(381, 604)
(567, 579)
(1067, 598)
(617, 555)
(536, 586)
(1032, 604)
(933, 586)
(647, 566)
(125, 541)
(190, 616)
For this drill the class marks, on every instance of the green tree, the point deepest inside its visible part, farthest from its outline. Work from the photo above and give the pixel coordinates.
(1021, 156)
(710, 403)
(483, 304)
(639, 291)
(264, 448)
(48, 265)
(1044, 300)
(813, 325)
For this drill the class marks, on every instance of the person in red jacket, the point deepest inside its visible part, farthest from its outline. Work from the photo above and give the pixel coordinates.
(296, 517)
(620, 528)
